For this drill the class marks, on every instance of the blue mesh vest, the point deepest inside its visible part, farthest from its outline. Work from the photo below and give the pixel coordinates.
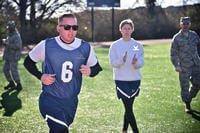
(65, 64)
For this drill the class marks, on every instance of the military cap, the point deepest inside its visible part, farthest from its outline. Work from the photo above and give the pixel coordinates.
(11, 24)
(185, 20)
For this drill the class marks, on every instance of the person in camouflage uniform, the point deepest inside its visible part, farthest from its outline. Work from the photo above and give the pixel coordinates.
(11, 56)
(194, 87)
(185, 58)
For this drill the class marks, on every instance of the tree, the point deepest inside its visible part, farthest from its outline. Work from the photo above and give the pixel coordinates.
(38, 11)
(7, 12)
(45, 10)
(194, 14)
(150, 4)
(22, 7)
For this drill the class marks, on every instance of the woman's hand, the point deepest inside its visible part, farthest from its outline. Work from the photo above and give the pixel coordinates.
(125, 57)
(134, 60)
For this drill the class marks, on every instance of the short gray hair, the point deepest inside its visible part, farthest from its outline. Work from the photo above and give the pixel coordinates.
(70, 15)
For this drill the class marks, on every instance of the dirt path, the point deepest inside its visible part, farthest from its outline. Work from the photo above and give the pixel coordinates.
(107, 44)
(155, 41)
(144, 42)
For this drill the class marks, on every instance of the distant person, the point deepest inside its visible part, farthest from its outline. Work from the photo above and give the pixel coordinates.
(126, 56)
(185, 58)
(11, 56)
(65, 59)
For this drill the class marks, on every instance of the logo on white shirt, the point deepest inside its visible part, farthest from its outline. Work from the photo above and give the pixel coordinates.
(135, 48)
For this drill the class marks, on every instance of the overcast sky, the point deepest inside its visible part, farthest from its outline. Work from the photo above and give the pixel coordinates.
(163, 3)
(125, 4)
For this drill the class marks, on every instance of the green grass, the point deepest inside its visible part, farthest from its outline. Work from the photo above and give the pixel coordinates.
(158, 108)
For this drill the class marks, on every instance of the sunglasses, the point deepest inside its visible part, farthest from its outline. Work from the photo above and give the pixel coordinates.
(68, 27)
(185, 23)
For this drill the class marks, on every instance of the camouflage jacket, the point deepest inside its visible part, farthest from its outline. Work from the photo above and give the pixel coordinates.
(12, 51)
(184, 50)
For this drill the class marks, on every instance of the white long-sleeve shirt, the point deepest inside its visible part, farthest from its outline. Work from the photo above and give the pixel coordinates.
(38, 52)
(126, 71)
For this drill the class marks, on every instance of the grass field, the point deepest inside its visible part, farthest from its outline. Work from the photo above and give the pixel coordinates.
(158, 108)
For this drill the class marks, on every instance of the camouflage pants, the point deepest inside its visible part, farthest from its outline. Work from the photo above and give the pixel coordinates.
(10, 69)
(185, 76)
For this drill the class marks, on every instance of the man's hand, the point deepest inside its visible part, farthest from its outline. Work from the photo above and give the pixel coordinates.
(48, 79)
(85, 70)
(178, 69)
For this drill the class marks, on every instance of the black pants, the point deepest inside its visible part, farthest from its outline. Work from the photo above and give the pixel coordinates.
(129, 117)
(64, 131)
